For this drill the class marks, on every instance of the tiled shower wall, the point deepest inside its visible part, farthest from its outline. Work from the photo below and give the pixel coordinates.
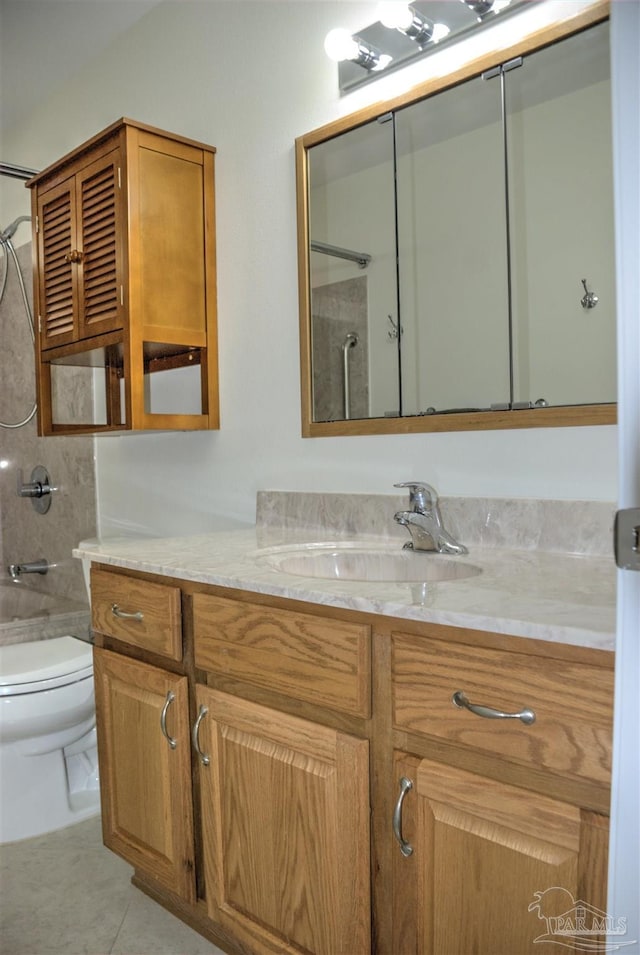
(26, 535)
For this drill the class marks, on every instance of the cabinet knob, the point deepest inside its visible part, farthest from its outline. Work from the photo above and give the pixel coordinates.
(75, 255)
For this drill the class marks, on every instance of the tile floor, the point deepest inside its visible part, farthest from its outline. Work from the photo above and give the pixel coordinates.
(65, 894)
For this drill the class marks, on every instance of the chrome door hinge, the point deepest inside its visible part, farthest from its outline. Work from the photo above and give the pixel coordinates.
(37, 224)
(503, 68)
(626, 538)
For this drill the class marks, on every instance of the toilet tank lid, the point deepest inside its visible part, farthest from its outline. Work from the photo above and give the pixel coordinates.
(24, 663)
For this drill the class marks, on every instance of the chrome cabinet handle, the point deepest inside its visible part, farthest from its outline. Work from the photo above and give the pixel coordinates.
(163, 719)
(405, 848)
(526, 716)
(204, 759)
(123, 615)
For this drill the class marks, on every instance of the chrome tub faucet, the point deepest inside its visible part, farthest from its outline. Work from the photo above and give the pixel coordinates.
(424, 522)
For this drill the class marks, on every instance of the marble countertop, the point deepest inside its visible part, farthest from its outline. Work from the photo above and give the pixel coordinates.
(555, 597)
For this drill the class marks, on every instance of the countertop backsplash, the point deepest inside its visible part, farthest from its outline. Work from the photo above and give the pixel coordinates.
(569, 527)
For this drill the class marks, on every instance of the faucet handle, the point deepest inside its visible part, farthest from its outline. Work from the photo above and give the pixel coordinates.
(421, 495)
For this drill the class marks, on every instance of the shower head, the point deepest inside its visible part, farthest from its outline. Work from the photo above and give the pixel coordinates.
(9, 232)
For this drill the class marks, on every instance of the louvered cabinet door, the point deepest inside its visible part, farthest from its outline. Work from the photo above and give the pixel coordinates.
(79, 256)
(57, 275)
(100, 267)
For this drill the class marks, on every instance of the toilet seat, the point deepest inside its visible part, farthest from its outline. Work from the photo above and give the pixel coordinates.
(43, 665)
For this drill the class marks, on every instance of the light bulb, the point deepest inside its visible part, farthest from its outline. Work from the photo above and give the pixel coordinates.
(395, 16)
(339, 45)
(383, 62)
(440, 31)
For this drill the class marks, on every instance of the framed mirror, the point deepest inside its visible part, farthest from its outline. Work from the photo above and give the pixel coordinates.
(456, 250)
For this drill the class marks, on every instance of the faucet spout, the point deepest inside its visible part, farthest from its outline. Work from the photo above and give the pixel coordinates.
(424, 522)
(16, 571)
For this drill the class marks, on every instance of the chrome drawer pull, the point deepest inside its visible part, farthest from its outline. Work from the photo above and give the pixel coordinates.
(123, 615)
(525, 716)
(204, 759)
(163, 719)
(405, 848)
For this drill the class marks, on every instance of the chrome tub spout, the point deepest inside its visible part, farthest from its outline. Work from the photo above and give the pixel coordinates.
(16, 571)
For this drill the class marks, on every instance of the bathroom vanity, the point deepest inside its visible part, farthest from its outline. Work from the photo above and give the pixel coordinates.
(283, 762)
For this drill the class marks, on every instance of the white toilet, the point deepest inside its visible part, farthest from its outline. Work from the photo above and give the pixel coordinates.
(48, 756)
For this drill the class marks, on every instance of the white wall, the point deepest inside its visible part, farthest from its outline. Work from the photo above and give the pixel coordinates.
(249, 77)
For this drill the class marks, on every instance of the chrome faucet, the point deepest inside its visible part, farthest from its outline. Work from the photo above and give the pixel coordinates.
(16, 571)
(424, 522)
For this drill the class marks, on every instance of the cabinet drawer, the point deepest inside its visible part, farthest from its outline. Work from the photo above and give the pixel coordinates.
(309, 658)
(572, 702)
(155, 617)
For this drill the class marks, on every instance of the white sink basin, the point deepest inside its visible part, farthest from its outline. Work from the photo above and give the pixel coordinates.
(349, 561)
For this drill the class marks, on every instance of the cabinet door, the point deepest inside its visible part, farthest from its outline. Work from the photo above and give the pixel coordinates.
(147, 815)
(100, 270)
(79, 254)
(286, 829)
(56, 279)
(494, 869)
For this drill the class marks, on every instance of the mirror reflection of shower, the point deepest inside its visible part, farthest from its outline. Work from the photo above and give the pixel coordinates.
(10, 261)
(340, 309)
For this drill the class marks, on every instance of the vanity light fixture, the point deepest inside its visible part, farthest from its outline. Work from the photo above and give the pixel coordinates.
(406, 19)
(484, 7)
(406, 32)
(339, 45)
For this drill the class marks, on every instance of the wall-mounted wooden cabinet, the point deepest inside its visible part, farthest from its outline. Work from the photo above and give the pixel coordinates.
(125, 285)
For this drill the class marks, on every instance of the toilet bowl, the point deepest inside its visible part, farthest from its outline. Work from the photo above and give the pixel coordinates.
(48, 756)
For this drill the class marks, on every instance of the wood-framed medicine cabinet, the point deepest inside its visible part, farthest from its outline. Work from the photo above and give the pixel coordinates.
(455, 248)
(125, 285)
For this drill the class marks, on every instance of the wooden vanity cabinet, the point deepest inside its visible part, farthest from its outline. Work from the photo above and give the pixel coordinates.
(285, 798)
(145, 768)
(280, 823)
(285, 807)
(125, 283)
(500, 823)
(143, 724)
(259, 835)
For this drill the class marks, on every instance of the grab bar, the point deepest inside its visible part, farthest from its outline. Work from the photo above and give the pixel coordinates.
(350, 341)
